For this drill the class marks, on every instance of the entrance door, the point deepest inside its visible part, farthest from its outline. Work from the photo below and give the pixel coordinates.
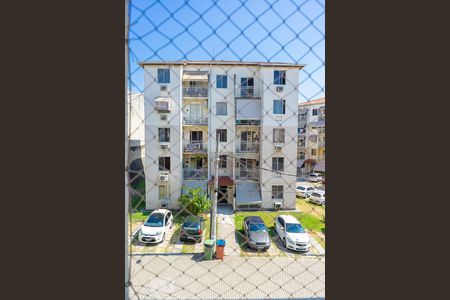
(196, 140)
(247, 140)
(222, 197)
(195, 113)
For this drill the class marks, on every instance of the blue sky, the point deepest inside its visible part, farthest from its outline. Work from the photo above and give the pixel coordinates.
(254, 30)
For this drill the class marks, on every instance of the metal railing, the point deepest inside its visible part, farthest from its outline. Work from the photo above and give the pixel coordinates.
(195, 147)
(248, 92)
(203, 120)
(246, 173)
(247, 147)
(196, 91)
(189, 173)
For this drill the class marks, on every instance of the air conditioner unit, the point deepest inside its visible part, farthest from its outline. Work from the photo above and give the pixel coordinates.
(277, 205)
(163, 88)
(164, 205)
(164, 176)
(278, 147)
(164, 147)
(163, 117)
(279, 88)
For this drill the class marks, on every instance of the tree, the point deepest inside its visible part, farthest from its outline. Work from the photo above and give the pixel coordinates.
(194, 200)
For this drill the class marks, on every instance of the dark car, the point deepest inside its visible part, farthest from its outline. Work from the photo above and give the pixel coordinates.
(192, 229)
(256, 232)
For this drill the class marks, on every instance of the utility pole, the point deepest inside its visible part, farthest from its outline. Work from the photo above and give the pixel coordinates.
(212, 230)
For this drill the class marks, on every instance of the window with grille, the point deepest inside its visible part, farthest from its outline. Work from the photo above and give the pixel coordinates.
(164, 135)
(221, 108)
(279, 107)
(163, 75)
(221, 82)
(314, 112)
(277, 163)
(277, 191)
(164, 192)
(313, 151)
(278, 135)
(164, 163)
(279, 77)
(223, 161)
(222, 135)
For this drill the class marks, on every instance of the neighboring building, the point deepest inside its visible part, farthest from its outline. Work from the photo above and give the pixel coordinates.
(311, 136)
(253, 106)
(136, 136)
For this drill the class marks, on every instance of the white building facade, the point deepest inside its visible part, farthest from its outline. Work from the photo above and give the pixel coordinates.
(311, 136)
(250, 108)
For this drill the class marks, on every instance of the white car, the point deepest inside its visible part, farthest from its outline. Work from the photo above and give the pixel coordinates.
(292, 233)
(155, 226)
(304, 191)
(315, 177)
(318, 197)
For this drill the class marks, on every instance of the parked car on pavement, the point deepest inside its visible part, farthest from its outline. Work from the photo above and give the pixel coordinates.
(256, 233)
(192, 229)
(317, 197)
(304, 191)
(292, 233)
(315, 177)
(155, 226)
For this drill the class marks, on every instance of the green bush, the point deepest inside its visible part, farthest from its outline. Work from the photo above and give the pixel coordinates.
(194, 200)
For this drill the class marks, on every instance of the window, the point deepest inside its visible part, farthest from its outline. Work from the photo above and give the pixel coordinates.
(277, 163)
(164, 163)
(222, 135)
(279, 77)
(164, 135)
(279, 107)
(221, 108)
(164, 192)
(223, 161)
(313, 151)
(277, 193)
(221, 82)
(302, 155)
(314, 112)
(278, 135)
(163, 75)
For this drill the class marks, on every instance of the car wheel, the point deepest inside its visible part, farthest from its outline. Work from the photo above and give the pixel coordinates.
(163, 237)
(284, 243)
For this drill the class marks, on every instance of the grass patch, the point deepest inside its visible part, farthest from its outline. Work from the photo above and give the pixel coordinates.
(309, 208)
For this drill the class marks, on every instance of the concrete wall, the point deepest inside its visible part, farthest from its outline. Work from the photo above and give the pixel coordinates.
(153, 149)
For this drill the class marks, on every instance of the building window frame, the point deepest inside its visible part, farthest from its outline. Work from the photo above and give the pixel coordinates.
(279, 77)
(164, 76)
(279, 106)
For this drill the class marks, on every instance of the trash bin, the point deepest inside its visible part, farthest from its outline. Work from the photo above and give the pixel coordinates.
(209, 249)
(220, 249)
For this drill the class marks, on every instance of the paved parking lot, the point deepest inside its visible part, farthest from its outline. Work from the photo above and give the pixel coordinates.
(188, 277)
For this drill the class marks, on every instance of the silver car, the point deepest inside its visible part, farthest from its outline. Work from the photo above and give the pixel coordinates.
(257, 236)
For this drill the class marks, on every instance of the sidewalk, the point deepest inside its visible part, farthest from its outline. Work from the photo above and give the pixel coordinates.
(227, 231)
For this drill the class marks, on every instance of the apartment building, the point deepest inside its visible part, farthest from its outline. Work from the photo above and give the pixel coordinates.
(136, 134)
(311, 136)
(248, 110)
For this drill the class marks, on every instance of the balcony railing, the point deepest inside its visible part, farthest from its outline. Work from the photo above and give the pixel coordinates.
(192, 174)
(248, 92)
(195, 120)
(248, 147)
(195, 91)
(246, 174)
(195, 147)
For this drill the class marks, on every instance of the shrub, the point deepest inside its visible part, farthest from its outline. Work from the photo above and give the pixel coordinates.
(194, 200)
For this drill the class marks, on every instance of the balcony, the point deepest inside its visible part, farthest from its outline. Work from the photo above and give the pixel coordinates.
(195, 174)
(195, 147)
(248, 147)
(248, 92)
(246, 174)
(195, 120)
(195, 91)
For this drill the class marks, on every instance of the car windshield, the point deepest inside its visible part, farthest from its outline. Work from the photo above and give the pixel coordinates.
(258, 227)
(294, 228)
(301, 188)
(155, 220)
